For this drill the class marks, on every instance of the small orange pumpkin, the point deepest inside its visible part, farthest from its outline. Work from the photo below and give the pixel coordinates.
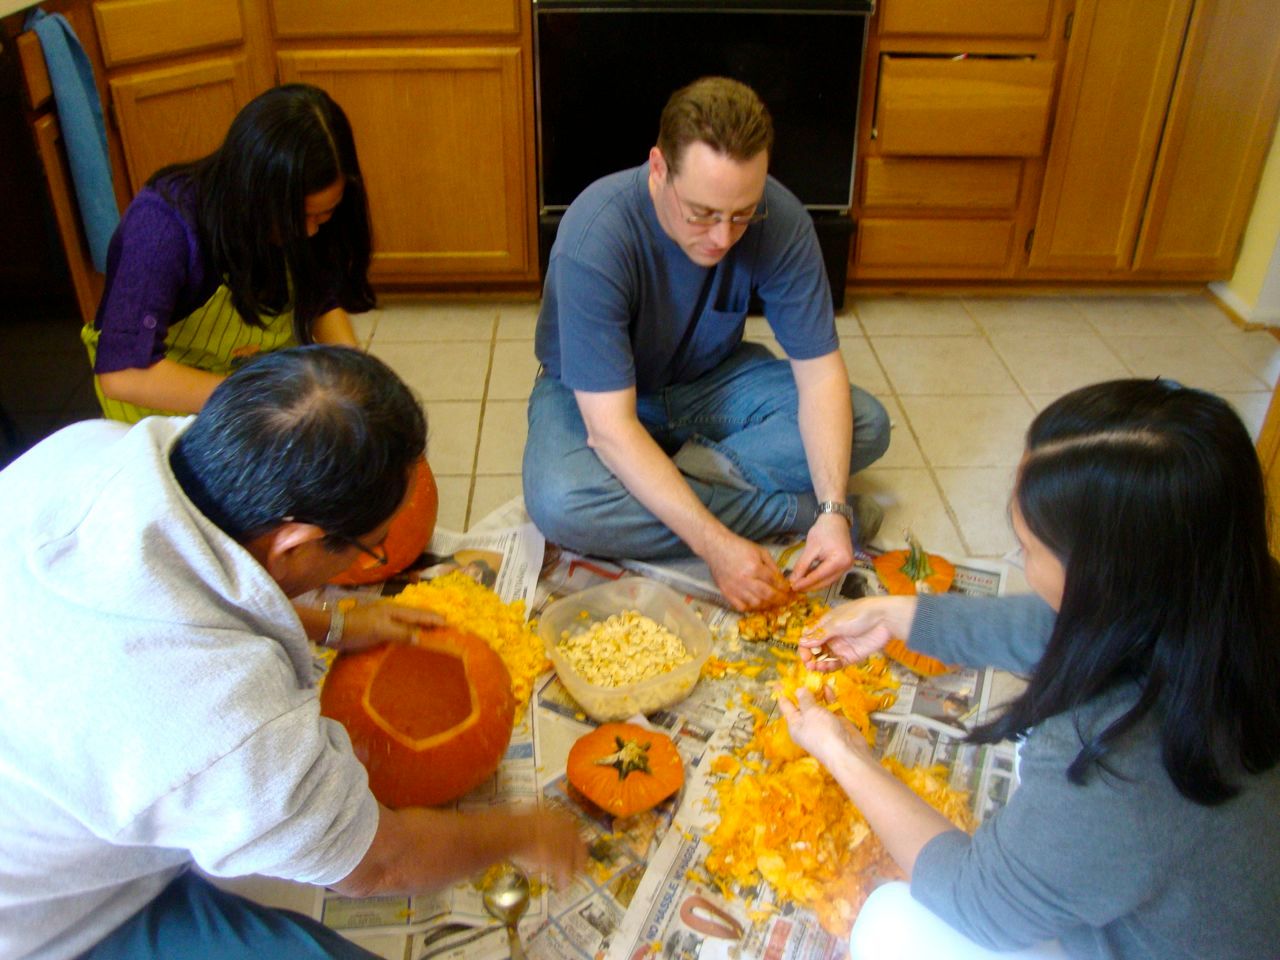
(408, 536)
(907, 572)
(430, 721)
(624, 768)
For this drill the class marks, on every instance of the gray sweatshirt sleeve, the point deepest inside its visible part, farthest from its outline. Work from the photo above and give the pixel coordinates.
(1060, 856)
(1009, 633)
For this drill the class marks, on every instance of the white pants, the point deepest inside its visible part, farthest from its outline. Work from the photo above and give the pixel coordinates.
(893, 925)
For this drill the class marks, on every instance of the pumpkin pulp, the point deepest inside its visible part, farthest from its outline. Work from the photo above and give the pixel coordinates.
(395, 702)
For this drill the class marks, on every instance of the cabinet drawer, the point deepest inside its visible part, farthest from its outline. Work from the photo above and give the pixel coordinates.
(939, 182)
(134, 30)
(982, 106)
(341, 18)
(934, 243)
(972, 18)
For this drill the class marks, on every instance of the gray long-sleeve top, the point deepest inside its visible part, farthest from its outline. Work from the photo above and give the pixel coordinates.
(1123, 866)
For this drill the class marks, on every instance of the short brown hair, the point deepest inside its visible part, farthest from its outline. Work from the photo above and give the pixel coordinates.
(724, 114)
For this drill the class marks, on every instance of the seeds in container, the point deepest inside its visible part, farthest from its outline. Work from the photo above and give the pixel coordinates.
(625, 648)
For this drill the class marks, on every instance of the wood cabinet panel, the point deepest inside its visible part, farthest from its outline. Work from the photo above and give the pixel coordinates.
(440, 136)
(178, 113)
(934, 243)
(982, 106)
(972, 18)
(942, 183)
(1116, 85)
(341, 18)
(1221, 123)
(1269, 455)
(134, 30)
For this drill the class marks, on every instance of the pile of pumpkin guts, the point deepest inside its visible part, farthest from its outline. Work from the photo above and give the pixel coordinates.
(783, 818)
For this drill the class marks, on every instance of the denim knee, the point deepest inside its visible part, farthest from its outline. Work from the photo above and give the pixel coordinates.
(871, 429)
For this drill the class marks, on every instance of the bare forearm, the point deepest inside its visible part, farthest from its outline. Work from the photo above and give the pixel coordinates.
(417, 849)
(652, 478)
(826, 423)
(165, 385)
(903, 822)
(334, 327)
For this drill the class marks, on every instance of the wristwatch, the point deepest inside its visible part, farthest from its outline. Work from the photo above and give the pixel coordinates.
(836, 506)
(337, 622)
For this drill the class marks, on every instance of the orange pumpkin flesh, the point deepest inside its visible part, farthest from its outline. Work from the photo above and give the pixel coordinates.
(910, 571)
(408, 536)
(430, 722)
(624, 768)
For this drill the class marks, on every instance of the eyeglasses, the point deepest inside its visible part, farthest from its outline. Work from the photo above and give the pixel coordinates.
(711, 219)
(378, 554)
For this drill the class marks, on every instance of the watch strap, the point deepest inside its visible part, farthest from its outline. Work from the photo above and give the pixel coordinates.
(337, 624)
(837, 506)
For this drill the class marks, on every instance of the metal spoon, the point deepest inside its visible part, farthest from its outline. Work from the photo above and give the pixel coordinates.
(506, 899)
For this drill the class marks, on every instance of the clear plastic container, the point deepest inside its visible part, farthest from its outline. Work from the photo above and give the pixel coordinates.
(651, 599)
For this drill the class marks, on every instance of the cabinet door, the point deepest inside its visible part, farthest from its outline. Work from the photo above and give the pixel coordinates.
(178, 113)
(1115, 91)
(1269, 455)
(1220, 124)
(441, 136)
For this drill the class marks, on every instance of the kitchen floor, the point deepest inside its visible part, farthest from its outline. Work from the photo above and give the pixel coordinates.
(961, 377)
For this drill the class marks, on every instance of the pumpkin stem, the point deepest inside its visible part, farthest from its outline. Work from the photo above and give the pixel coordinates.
(632, 757)
(917, 566)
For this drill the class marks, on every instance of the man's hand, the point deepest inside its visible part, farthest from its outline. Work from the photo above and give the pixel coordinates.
(371, 624)
(853, 631)
(827, 554)
(745, 572)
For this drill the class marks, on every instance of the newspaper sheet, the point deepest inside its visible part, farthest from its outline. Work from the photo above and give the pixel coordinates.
(640, 896)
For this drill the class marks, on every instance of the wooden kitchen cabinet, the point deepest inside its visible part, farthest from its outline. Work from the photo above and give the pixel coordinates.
(439, 94)
(440, 134)
(1165, 116)
(957, 100)
(1092, 140)
(176, 79)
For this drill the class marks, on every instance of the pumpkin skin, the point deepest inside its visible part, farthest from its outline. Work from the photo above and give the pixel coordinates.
(430, 721)
(907, 572)
(408, 536)
(646, 768)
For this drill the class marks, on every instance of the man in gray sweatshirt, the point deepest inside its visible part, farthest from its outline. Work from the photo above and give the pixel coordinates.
(160, 710)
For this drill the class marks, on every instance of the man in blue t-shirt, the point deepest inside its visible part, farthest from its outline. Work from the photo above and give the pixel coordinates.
(654, 429)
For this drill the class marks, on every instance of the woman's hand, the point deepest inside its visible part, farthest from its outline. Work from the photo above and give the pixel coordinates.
(853, 631)
(371, 624)
(820, 732)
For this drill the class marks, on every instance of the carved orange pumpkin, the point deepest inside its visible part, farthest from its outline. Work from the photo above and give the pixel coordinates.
(430, 721)
(410, 532)
(624, 768)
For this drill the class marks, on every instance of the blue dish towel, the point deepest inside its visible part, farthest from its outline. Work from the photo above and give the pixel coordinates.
(83, 132)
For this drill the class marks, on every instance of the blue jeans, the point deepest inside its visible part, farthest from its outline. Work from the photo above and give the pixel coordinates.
(745, 410)
(193, 918)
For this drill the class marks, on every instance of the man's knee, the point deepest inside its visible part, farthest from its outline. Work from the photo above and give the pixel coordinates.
(565, 507)
(870, 430)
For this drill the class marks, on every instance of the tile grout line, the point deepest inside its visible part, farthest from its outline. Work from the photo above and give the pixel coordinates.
(928, 463)
(484, 403)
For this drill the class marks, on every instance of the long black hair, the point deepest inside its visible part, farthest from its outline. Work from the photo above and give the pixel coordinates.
(1151, 496)
(250, 196)
(322, 434)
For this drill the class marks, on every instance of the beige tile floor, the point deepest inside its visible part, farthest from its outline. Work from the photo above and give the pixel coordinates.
(961, 377)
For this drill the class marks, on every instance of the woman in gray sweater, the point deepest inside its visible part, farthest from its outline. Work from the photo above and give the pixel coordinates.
(1147, 820)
